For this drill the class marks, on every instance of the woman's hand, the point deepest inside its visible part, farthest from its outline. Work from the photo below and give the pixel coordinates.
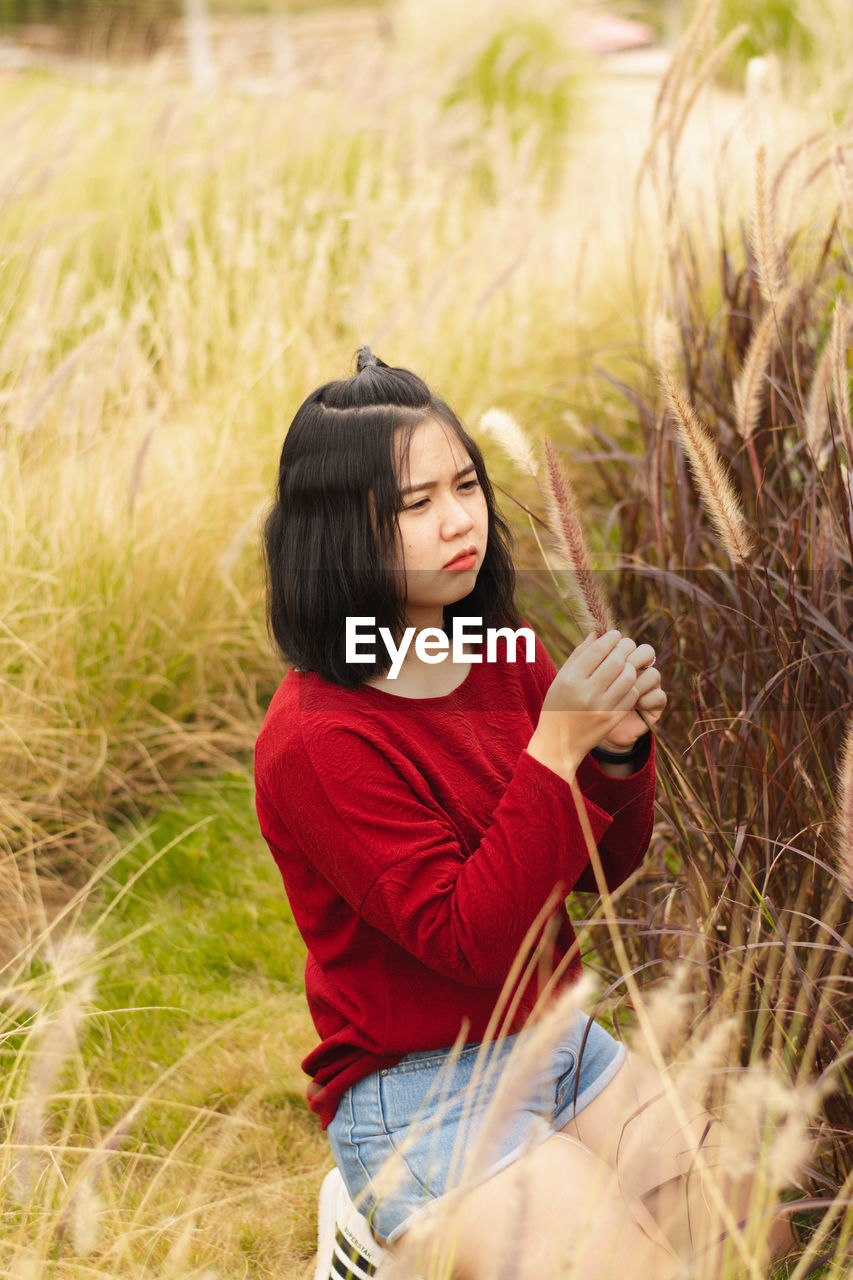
(591, 695)
(651, 702)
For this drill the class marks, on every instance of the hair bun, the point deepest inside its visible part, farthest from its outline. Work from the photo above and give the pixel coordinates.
(365, 359)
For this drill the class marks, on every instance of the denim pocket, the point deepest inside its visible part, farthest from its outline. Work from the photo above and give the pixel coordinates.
(424, 1084)
(567, 1079)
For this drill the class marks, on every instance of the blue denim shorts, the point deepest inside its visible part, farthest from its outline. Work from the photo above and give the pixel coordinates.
(427, 1123)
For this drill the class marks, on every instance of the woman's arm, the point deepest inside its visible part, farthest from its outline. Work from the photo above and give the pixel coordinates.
(630, 803)
(594, 690)
(351, 805)
(369, 825)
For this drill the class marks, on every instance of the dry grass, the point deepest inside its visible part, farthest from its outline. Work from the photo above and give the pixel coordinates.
(721, 502)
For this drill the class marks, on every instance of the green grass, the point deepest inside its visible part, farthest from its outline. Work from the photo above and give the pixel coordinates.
(212, 937)
(189, 1049)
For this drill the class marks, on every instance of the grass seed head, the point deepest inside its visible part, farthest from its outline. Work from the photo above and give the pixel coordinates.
(845, 810)
(504, 429)
(664, 341)
(592, 608)
(830, 380)
(770, 1119)
(840, 378)
(668, 1009)
(85, 1219)
(816, 419)
(844, 174)
(751, 386)
(763, 236)
(720, 500)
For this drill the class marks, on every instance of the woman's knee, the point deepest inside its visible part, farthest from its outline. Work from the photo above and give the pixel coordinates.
(639, 1109)
(556, 1206)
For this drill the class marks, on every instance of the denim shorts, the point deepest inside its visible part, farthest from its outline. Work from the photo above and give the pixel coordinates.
(428, 1126)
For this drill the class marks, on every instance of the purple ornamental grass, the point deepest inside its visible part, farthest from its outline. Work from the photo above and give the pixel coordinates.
(590, 605)
(845, 811)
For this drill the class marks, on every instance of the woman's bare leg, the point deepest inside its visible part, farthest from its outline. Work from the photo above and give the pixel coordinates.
(556, 1212)
(667, 1151)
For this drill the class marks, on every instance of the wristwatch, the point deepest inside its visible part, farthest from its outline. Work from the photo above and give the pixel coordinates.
(622, 757)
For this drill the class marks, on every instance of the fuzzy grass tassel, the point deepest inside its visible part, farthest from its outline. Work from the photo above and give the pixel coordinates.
(506, 432)
(591, 607)
(751, 385)
(840, 380)
(763, 239)
(720, 499)
(845, 811)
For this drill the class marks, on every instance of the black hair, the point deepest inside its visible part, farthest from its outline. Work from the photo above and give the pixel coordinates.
(329, 536)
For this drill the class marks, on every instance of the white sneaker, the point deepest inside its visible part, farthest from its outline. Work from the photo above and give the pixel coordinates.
(346, 1249)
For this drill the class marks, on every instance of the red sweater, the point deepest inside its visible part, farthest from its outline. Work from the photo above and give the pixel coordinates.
(418, 841)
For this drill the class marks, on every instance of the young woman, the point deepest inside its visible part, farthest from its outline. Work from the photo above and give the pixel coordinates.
(423, 808)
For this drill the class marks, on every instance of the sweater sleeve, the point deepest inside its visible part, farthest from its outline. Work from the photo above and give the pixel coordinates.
(630, 804)
(628, 801)
(390, 850)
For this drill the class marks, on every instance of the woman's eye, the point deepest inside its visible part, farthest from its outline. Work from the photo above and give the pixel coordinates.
(467, 485)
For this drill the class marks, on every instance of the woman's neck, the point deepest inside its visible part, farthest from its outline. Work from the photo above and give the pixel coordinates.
(418, 679)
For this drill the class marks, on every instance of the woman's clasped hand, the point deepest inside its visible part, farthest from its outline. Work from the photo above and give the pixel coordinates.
(606, 694)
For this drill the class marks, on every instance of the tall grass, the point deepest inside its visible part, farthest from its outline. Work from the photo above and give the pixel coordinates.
(177, 274)
(151, 1113)
(733, 514)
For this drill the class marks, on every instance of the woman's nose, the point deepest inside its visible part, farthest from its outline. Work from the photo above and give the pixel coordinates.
(456, 518)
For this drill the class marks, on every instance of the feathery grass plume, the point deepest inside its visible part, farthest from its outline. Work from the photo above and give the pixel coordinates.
(56, 1036)
(762, 234)
(816, 419)
(671, 110)
(751, 384)
(708, 69)
(664, 340)
(772, 1118)
(504, 429)
(840, 386)
(786, 176)
(86, 1210)
(592, 609)
(844, 173)
(830, 367)
(430, 1246)
(720, 500)
(758, 1140)
(530, 1050)
(670, 86)
(709, 1048)
(668, 1011)
(845, 810)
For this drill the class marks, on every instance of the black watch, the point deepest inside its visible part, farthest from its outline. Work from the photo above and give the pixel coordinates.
(622, 757)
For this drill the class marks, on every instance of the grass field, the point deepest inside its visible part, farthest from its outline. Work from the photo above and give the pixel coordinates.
(177, 272)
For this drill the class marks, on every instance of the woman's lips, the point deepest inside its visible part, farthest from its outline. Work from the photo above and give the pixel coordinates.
(466, 561)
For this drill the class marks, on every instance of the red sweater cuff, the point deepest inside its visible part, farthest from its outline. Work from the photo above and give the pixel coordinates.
(535, 775)
(601, 788)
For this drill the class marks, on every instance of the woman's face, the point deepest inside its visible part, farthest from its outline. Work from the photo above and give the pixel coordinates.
(443, 525)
